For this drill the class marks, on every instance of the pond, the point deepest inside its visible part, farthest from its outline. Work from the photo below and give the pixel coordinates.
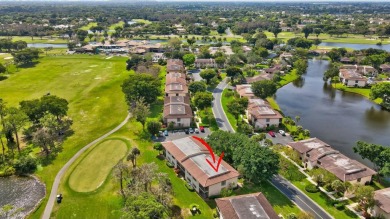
(44, 45)
(336, 117)
(24, 193)
(357, 46)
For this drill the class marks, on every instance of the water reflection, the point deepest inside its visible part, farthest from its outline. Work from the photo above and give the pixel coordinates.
(23, 193)
(339, 118)
(299, 82)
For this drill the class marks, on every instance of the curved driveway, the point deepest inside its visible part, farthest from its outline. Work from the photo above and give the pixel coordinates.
(54, 188)
(284, 186)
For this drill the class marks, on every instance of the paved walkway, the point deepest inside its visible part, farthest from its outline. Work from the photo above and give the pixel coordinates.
(284, 186)
(54, 189)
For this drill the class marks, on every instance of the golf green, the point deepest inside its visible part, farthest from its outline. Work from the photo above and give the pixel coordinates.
(93, 170)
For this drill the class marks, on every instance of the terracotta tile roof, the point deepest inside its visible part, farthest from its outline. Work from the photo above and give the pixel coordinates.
(249, 206)
(351, 74)
(175, 75)
(382, 198)
(261, 109)
(344, 168)
(321, 154)
(307, 145)
(175, 65)
(384, 66)
(192, 154)
(245, 90)
(260, 77)
(177, 107)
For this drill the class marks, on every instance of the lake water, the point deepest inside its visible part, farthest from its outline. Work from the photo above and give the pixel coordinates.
(44, 45)
(357, 46)
(336, 117)
(21, 192)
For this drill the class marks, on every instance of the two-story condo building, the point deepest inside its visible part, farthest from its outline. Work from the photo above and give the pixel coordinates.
(189, 156)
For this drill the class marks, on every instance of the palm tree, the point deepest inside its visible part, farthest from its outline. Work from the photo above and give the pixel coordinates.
(133, 156)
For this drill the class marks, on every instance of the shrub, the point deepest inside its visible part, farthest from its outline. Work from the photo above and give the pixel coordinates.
(169, 164)
(291, 216)
(340, 206)
(311, 188)
(25, 165)
(189, 187)
(3, 77)
(8, 171)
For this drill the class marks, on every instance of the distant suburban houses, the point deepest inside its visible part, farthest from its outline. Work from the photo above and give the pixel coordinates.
(249, 206)
(316, 153)
(205, 63)
(188, 156)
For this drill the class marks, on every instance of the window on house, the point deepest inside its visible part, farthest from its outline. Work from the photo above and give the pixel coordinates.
(178, 119)
(267, 120)
(177, 94)
(223, 183)
(359, 179)
(318, 162)
(356, 81)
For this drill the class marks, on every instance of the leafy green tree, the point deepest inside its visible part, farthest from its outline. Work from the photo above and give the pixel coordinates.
(264, 89)
(332, 71)
(307, 30)
(140, 111)
(237, 107)
(233, 71)
(191, 41)
(174, 43)
(365, 195)
(44, 139)
(300, 42)
(82, 34)
(259, 137)
(158, 146)
(25, 56)
(16, 119)
(256, 163)
(153, 127)
(2, 68)
(377, 154)
(300, 65)
(138, 86)
(54, 105)
(317, 31)
(121, 172)
(381, 90)
(143, 206)
(338, 186)
(203, 99)
(275, 30)
(189, 59)
(197, 86)
(25, 165)
(208, 74)
(244, 128)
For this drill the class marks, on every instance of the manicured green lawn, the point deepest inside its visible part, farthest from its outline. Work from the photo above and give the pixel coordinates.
(102, 158)
(287, 78)
(323, 201)
(119, 24)
(91, 84)
(280, 203)
(88, 26)
(362, 91)
(28, 39)
(273, 103)
(225, 100)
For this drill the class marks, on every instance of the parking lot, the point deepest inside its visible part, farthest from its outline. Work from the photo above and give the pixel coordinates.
(177, 134)
(280, 139)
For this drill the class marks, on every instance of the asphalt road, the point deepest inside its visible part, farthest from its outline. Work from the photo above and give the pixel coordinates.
(219, 114)
(289, 190)
(299, 198)
(56, 183)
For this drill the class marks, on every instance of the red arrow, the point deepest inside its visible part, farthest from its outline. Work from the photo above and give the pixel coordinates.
(212, 164)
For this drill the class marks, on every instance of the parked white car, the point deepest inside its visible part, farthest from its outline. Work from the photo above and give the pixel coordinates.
(282, 132)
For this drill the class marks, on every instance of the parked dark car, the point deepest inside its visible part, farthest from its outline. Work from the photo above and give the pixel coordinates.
(186, 131)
